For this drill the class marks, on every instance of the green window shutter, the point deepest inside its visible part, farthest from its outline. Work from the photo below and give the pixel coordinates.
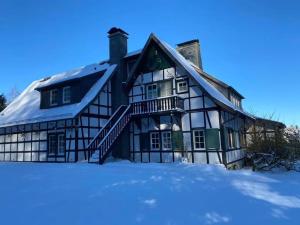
(212, 139)
(177, 140)
(165, 88)
(158, 91)
(144, 141)
(224, 137)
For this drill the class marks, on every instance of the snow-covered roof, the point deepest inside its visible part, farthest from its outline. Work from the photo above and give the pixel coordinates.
(188, 66)
(133, 53)
(26, 107)
(72, 74)
(215, 80)
(209, 88)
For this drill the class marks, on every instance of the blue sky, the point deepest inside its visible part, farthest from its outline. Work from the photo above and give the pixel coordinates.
(252, 45)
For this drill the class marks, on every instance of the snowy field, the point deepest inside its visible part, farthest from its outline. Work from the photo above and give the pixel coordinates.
(123, 193)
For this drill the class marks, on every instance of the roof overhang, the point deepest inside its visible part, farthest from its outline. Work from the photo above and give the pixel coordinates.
(271, 122)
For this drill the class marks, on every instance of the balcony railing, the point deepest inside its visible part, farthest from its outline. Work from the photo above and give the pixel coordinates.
(164, 104)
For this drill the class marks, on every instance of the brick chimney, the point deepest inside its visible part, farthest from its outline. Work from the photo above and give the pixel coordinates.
(117, 44)
(191, 51)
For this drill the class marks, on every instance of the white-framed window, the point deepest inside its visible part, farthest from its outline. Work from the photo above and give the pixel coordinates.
(231, 139)
(182, 86)
(152, 91)
(237, 139)
(52, 143)
(166, 140)
(67, 94)
(57, 144)
(199, 139)
(235, 100)
(61, 144)
(242, 141)
(53, 97)
(159, 89)
(154, 141)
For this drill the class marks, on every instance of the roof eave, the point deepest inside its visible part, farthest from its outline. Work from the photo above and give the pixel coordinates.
(112, 73)
(213, 79)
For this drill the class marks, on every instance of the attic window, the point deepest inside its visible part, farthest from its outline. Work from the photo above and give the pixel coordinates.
(182, 86)
(66, 94)
(53, 97)
(235, 100)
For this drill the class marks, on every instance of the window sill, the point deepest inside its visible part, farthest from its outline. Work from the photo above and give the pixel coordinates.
(182, 92)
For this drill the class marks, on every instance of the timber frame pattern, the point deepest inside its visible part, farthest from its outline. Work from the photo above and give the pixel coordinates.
(29, 142)
(199, 112)
(211, 117)
(169, 110)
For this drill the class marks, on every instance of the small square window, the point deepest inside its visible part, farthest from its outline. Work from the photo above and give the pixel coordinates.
(66, 95)
(53, 97)
(182, 86)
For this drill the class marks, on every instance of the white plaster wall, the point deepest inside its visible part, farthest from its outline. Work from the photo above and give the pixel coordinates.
(197, 119)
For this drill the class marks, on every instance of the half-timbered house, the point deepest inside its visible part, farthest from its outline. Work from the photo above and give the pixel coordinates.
(156, 104)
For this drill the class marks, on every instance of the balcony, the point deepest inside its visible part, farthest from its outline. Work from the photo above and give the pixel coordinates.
(158, 105)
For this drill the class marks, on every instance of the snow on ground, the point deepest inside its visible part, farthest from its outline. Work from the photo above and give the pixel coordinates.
(122, 193)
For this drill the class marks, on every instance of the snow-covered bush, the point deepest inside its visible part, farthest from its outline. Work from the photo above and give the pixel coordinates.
(292, 134)
(282, 147)
(273, 142)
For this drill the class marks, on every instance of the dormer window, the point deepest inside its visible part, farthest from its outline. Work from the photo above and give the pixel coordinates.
(66, 95)
(53, 97)
(63, 92)
(235, 100)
